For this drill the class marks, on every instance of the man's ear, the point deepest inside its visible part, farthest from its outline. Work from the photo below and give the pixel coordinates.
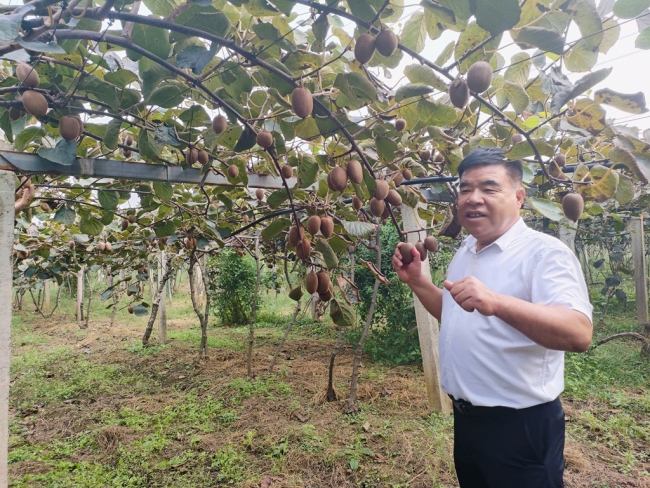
(521, 194)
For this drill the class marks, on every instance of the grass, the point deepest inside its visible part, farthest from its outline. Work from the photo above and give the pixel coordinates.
(94, 408)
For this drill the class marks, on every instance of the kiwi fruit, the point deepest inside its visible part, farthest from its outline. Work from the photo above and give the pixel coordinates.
(287, 171)
(311, 282)
(400, 125)
(397, 178)
(422, 250)
(80, 122)
(219, 124)
(327, 296)
(34, 103)
(101, 246)
(131, 219)
(259, 194)
(108, 247)
(44, 206)
(405, 250)
(127, 153)
(233, 171)
(16, 113)
(573, 205)
(364, 48)
(408, 174)
(27, 75)
(357, 203)
(71, 244)
(129, 140)
(68, 128)
(191, 156)
(246, 218)
(560, 160)
(425, 155)
(203, 157)
(386, 43)
(377, 207)
(130, 309)
(439, 158)
(386, 213)
(459, 93)
(394, 198)
(124, 224)
(479, 76)
(381, 189)
(324, 282)
(313, 224)
(295, 235)
(302, 102)
(129, 293)
(303, 249)
(264, 139)
(517, 138)
(337, 179)
(354, 171)
(431, 243)
(326, 227)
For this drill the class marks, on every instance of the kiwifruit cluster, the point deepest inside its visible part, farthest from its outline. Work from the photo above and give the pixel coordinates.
(337, 179)
(303, 248)
(439, 158)
(70, 127)
(296, 234)
(357, 203)
(104, 246)
(385, 43)
(573, 205)
(425, 155)
(128, 140)
(408, 174)
(430, 244)
(459, 93)
(302, 102)
(192, 156)
(16, 113)
(313, 224)
(311, 282)
(324, 288)
(190, 242)
(479, 77)
(130, 309)
(394, 198)
(34, 103)
(219, 124)
(264, 139)
(203, 157)
(71, 244)
(326, 227)
(124, 224)
(27, 75)
(397, 178)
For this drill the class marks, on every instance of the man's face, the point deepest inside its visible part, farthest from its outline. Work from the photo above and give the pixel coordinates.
(488, 202)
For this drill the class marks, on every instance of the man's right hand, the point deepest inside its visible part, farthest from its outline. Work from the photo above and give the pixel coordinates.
(409, 273)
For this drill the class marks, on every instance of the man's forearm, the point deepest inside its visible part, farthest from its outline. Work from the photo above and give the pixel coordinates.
(430, 296)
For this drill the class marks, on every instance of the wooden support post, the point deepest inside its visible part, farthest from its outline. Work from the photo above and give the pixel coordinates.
(46, 288)
(635, 226)
(80, 292)
(568, 230)
(428, 328)
(162, 306)
(7, 190)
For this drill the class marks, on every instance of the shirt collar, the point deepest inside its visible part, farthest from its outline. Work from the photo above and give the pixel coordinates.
(502, 242)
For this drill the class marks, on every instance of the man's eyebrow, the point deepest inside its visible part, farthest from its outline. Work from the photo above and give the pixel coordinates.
(490, 183)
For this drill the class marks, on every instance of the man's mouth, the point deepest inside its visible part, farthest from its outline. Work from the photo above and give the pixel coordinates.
(474, 215)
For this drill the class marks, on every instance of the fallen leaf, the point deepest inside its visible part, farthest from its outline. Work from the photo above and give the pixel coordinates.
(373, 269)
(301, 417)
(181, 377)
(385, 392)
(266, 482)
(366, 426)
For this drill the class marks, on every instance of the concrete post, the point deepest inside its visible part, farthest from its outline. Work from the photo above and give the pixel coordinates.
(7, 191)
(428, 328)
(568, 231)
(635, 226)
(162, 306)
(46, 288)
(80, 292)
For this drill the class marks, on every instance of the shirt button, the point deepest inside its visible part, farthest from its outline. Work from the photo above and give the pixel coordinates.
(448, 339)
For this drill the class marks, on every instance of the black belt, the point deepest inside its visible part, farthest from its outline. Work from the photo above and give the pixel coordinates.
(466, 408)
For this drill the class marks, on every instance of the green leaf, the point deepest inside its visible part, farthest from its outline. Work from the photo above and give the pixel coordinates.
(166, 134)
(100, 90)
(356, 87)
(162, 8)
(246, 140)
(580, 57)
(547, 40)
(519, 69)
(635, 161)
(625, 190)
(91, 226)
(296, 293)
(277, 198)
(358, 229)
(516, 95)
(470, 39)
(169, 95)
(64, 153)
(112, 133)
(411, 90)
(107, 217)
(342, 314)
(149, 150)
(195, 116)
(581, 86)
(153, 39)
(418, 73)
(65, 215)
(163, 190)
(612, 32)
(497, 16)
(216, 23)
(414, 34)
(140, 311)
(329, 256)
(307, 170)
(546, 208)
(30, 134)
(585, 14)
(41, 47)
(633, 103)
(121, 77)
(108, 199)
(319, 28)
(386, 149)
(435, 113)
(9, 27)
(628, 9)
(524, 149)
(196, 57)
(643, 40)
(165, 228)
(362, 9)
(275, 228)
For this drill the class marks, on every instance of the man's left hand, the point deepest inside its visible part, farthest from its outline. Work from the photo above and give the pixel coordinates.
(472, 295)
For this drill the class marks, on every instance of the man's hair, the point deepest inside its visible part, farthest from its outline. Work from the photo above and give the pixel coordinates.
(484, 155)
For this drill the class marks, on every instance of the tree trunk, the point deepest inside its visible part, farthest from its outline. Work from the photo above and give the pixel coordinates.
(251, 325)
(332, 396)
(284, 338)
(156, 302)
(80, 294)
(90, 297)
(162, 320)
(203, 317)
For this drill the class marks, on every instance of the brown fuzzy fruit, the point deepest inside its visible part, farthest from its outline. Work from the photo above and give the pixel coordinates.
(381, 189)
(394, 198)
(517, 138)
(357, 203)
(327, 296)
(431, 243)
(132, 219)
(479, 76)
(34, 103)
(377, 207)
(400, 125)
(364, 48)
(124, 224)
(573, 205)
(264, 139)
(191, 156)
(127, 153)
(326, 227)
(425, 155)
(397, 178)
(354, 171)
(68, 128)
(233, 171)
(129, 140)
(130, 309)
(311, 282)
(15, 113)
(80, 122)
(386, 42)
(422, 250)
(302, 102)
(287, 171)
(439, 158)
(108, 247)
(259, 194)
(101, 246)
(459, 93)
(219, 124)
(408, 174)
(324, 282)
(303, 250)
(560, 160)
(71, 244)
(405, 250)
(337, 179)
(295, 235)
(313, 224)
(44, 206)
(27, 75)
(203, 157)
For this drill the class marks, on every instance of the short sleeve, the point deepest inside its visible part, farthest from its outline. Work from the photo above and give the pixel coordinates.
(557, 279)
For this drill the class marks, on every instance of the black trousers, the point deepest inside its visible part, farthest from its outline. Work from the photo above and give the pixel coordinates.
(507, 448)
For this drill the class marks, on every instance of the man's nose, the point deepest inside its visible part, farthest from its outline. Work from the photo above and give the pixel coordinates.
(474, 197)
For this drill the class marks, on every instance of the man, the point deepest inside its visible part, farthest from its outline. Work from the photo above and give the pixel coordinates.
(513, 302)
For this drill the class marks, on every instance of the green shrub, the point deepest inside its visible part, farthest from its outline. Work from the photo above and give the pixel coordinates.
(232, 285)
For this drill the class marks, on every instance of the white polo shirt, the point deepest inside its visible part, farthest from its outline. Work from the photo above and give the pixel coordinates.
(484, 360)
